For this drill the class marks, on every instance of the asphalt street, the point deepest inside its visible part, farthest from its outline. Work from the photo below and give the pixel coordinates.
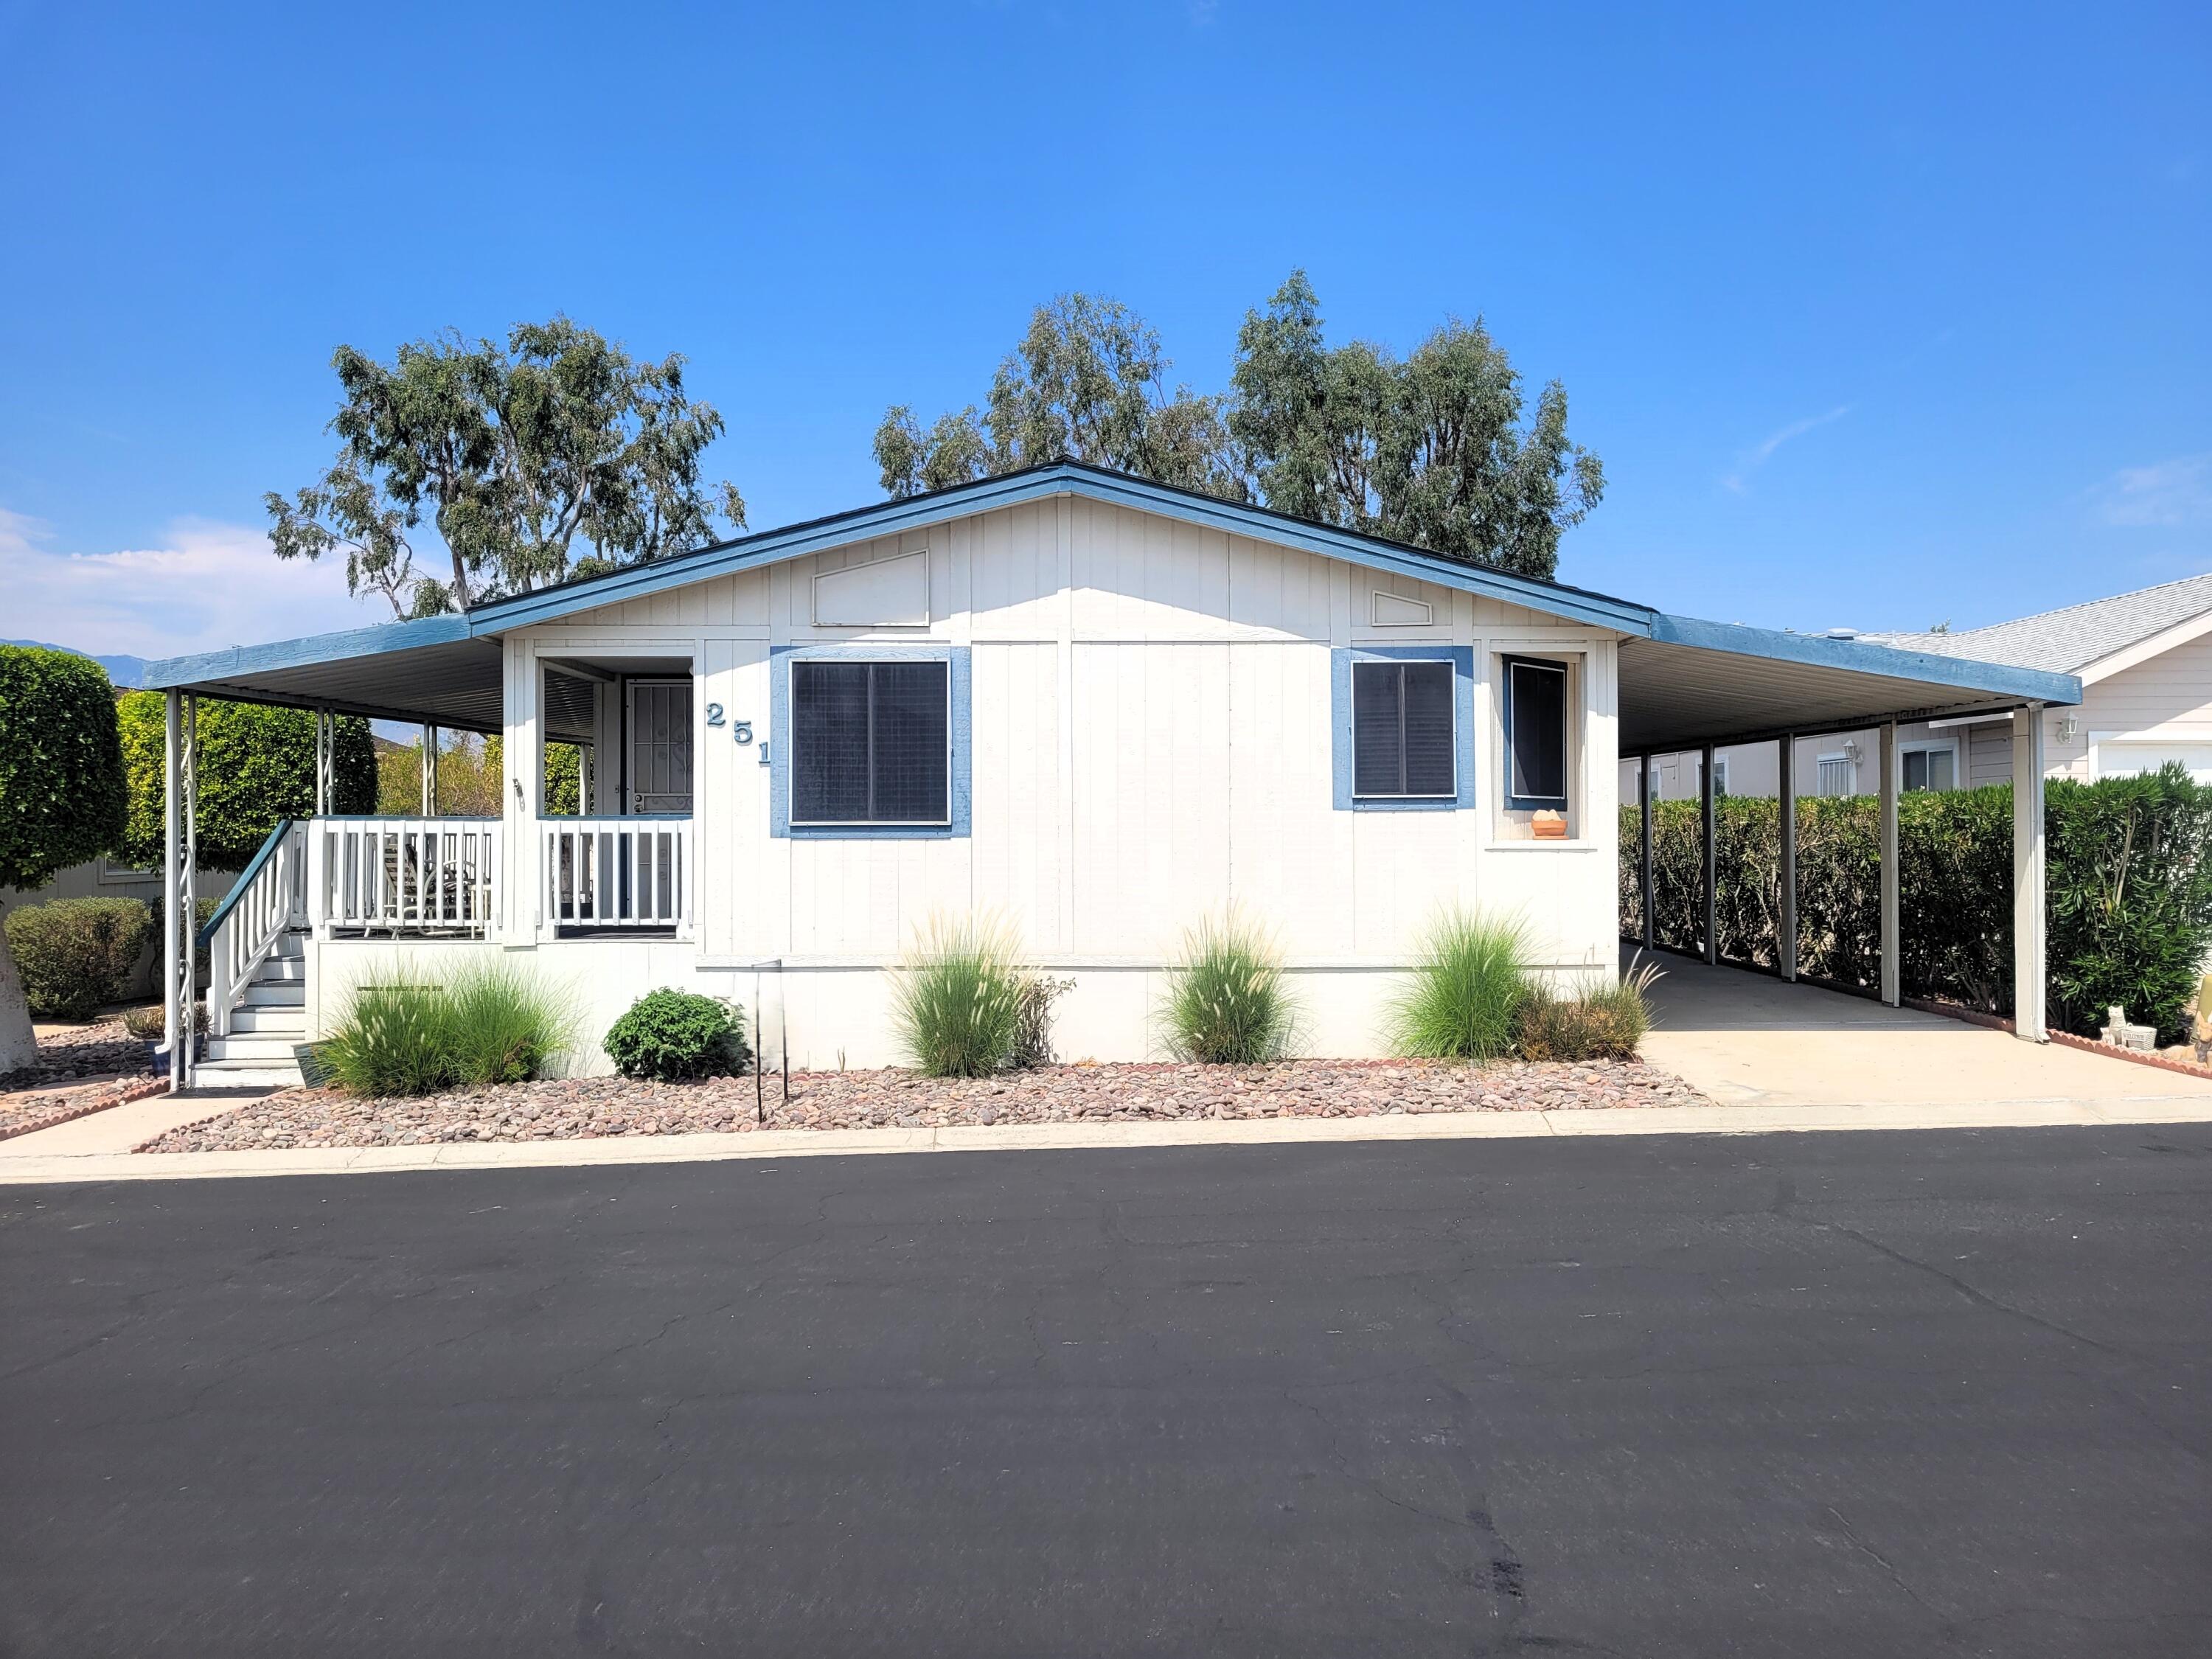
(1870, 1394)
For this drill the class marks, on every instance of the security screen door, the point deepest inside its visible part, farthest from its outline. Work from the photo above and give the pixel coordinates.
(660, 747)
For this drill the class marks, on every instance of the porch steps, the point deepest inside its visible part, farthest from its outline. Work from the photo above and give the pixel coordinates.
(270, 1020)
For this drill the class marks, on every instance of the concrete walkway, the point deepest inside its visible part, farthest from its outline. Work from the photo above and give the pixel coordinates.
(1744, 1039)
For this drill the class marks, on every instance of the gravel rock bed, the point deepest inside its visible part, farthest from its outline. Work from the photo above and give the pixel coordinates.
(109, 1061)
(97, 1048)
(582, 1108)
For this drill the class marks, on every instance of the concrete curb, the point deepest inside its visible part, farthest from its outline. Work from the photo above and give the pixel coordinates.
(30, 1169)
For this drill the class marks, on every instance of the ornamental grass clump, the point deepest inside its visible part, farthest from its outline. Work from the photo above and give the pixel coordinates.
(672, 1036)
(1462, 999)
(1227, 1002)
(489, 1024)
(957, 999)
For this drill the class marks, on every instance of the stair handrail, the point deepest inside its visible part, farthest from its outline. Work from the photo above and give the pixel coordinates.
(252, 916)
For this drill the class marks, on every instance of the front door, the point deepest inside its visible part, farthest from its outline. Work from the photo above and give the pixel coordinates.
(659, 772)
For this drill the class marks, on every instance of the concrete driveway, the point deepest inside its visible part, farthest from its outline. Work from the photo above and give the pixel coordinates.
(1747, 1040)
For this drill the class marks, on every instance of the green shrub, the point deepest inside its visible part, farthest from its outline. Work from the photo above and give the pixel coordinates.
(257, 764)
(1605, 1021)
(673, 1035)
(1462, 1000)
(413, 1036)
(1227, 1002)
(958, 1001)
(76, 954)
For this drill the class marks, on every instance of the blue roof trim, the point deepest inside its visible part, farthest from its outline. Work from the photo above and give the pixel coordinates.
(1858, 657)
(1040, 484)
(241, 659)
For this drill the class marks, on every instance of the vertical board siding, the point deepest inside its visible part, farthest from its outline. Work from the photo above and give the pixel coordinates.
(1151, 718)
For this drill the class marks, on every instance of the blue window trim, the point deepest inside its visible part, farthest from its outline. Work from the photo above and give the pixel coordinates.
(1566, 670)
(1462, 658)
(961, 676)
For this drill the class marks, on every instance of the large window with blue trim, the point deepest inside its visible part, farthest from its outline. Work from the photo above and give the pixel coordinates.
(1401, 731)
(870, 742)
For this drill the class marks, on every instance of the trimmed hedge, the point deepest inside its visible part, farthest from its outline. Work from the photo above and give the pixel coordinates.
(61, 766)
(2128, 892)
(75, 954)
(257, 764)
(670, 1036)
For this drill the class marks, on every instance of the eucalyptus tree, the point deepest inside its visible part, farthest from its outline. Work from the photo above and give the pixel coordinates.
(1431, 449)
(1439, 449)
(1087, 381)
(514, 456)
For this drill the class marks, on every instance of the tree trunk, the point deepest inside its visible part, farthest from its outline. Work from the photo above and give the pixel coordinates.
(18, 1046)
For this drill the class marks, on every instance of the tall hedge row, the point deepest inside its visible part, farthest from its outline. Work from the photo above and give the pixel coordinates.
(257, 764)
(2128, 892)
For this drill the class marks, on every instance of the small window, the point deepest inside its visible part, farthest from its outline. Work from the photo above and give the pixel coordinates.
(1930, 769)
(1836, 776)
(1720, 776)
(1401, 730)
(1536, 734)
(869, 742)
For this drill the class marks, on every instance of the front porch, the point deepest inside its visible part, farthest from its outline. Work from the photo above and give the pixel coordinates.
(617, 864)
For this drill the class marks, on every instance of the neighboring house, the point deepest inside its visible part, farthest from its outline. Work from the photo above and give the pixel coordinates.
(105, 878)
(2145, 663)
(1095, 707)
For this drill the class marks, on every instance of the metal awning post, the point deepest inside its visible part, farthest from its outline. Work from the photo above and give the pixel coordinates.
(1786, 929)
(1706, 816)
(1892, 967)
(173, 891)
(429, 770)
(1643, 846)
(2029, 985)
(326, 741)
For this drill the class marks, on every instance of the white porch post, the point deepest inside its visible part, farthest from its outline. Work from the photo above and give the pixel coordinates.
(429, 770)
(173, 890)
(1785, 946)
(1643, 846)
(2028, 982)
(524, 916)
(1706, 815)
(1892, 966)
(326, 742)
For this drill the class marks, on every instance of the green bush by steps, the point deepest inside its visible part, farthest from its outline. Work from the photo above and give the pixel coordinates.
(669, 1035)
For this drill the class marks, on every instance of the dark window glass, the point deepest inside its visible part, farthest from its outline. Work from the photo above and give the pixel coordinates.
(868, 743)
(1536, 740)
(1402, 728)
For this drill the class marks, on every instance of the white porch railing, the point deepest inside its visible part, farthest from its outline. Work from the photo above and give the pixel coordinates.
(403, 875)
(619, 873)
(269, 896)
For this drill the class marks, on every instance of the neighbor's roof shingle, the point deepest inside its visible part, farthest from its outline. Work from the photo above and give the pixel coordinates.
(2066, 641)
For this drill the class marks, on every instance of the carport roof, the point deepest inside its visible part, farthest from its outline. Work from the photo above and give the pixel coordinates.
(1683, 681)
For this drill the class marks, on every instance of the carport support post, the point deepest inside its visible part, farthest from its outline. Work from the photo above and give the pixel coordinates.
(172, 889)
(1705, 817)
(1892, 977)
(429, 770)
(1643, 845)
(2028, 982)
(1785, 946)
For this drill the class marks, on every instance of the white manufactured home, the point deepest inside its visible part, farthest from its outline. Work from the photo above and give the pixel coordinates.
(1093, 706)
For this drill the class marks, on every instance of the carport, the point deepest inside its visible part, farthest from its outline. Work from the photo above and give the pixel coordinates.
(1696, 686)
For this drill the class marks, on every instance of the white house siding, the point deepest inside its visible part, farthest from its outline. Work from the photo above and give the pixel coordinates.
(1151, 741)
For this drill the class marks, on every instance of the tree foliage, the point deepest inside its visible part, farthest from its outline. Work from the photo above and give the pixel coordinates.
(515, 456)
(1087, 382)
(61, 764)
(1438, 449)
(257, 765)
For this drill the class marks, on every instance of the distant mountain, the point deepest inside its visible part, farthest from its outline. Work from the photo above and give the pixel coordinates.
(127, 673)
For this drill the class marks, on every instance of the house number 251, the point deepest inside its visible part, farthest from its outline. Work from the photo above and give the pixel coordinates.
(741, 731)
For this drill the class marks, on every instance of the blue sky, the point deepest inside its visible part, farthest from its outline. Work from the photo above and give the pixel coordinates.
(1877, 317)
